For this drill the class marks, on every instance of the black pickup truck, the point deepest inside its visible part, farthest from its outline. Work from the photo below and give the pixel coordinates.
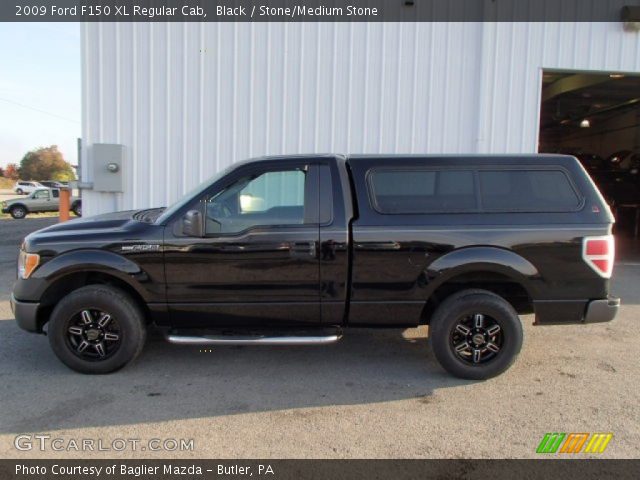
(292, 250)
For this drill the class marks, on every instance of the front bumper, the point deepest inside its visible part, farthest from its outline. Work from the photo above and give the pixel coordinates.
(26, 314)
(5, 210)
(603, 310)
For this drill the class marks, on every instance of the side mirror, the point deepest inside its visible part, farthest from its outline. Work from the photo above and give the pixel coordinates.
(192, 225)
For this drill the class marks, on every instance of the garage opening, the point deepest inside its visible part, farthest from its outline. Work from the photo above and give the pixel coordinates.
(596, 117)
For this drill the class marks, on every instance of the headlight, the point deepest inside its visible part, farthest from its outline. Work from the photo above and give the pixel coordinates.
(27, 263)
(4, 204)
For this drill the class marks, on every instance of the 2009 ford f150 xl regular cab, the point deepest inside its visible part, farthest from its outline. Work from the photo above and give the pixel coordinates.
(291, 250)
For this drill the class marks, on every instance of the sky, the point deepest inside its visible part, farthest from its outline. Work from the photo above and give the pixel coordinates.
(39, 89)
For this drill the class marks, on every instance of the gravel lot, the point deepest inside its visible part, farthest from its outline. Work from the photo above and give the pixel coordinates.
(374, 394)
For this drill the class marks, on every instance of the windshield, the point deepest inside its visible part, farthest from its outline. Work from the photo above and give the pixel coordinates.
(188, 197)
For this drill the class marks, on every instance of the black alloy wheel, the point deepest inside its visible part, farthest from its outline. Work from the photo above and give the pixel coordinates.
(93, 334)
(476, 338)
(97, 329)
(475, 334)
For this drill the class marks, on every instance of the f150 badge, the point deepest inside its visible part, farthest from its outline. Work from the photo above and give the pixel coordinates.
(140, 248)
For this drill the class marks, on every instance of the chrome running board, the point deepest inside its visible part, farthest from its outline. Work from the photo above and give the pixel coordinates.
(320, 337)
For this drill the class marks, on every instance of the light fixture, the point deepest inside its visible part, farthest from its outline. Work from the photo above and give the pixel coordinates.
(585, 123)
(616, 75)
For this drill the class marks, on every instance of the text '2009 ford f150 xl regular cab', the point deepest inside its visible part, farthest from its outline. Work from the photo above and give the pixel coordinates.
(292, 250)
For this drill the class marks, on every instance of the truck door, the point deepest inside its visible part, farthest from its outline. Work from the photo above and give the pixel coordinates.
(257, 263)
(41, 201)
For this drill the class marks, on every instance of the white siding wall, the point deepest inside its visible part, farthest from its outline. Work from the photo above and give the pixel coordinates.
(189, 99)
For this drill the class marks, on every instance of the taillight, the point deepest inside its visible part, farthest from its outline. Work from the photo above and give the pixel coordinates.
(599, 253)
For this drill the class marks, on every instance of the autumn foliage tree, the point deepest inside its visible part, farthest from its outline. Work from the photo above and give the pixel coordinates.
(45, 163)
(11, 171)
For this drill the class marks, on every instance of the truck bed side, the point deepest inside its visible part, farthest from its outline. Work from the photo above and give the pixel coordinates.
(403, 265)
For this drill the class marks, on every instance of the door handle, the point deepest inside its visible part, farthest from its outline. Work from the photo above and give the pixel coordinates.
(304, 249)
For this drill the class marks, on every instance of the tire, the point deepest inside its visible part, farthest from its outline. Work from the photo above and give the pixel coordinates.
(126, 322)
(19, 191)
(77, 209)
(18, 212)
(496, 334)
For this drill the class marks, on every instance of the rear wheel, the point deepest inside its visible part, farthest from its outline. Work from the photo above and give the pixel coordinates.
(18, 212)
(19, 191)
(97, 329)
(475, 334)
(77, 209)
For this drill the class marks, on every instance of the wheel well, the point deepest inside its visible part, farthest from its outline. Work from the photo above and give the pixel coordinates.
(67, 284)
(502, 285)
(19, 205)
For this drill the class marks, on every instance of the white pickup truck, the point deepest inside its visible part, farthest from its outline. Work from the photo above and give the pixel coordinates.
(41, 200)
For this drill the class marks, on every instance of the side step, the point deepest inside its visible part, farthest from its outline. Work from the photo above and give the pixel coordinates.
(235, 337)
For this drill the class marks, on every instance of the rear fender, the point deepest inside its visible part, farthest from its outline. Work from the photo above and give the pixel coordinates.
(483, 259)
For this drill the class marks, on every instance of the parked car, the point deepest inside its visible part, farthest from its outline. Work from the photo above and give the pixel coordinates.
(51, 184)
(294, 250)
(593, 163)
(24, 188)
(41, 200)
(620, 182)
(623, 160)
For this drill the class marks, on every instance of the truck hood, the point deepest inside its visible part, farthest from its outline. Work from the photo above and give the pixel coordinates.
(113, 220)
(100, 231)
(9, 201)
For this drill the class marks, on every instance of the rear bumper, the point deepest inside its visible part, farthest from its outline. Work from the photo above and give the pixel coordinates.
(602, 310)
(563, 312)
(26, 314)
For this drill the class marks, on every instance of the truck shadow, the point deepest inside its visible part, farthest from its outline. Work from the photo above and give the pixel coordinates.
(170, 382)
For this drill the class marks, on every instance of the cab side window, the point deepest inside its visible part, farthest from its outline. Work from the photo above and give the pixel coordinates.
(274, 198)
(55, 193)
(41, 195)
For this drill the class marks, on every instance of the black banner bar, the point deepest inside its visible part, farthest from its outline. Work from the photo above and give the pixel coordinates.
(627, 11)
(318, 469)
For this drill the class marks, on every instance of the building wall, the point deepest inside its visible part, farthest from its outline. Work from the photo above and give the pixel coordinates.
(187, 100)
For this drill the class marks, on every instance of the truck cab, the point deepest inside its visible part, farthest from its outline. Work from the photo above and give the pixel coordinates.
(299, 249)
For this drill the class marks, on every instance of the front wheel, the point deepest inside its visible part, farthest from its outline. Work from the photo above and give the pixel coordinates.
(97, 329)
(19, 191)
(475, 334)
(18, 212)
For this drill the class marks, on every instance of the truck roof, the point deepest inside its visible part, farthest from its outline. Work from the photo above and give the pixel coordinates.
(455, 155)
(477, 159)
(502, 157)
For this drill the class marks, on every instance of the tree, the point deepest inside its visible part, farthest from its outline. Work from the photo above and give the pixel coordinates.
(45, 163)
(1, 172)
(11, 171)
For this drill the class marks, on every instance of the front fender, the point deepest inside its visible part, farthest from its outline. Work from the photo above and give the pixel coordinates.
(483, 259)
(17, 204)
(81, 261)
